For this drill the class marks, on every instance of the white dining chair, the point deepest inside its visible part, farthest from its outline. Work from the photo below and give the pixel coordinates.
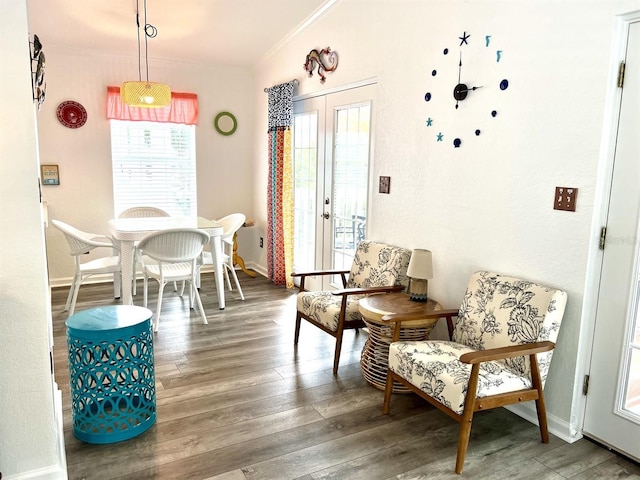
(174, 254)
(142, 212)
(81, 243)
(230, 225)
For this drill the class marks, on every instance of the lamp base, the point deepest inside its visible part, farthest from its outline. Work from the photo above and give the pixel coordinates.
(418, 289)
(418, 298)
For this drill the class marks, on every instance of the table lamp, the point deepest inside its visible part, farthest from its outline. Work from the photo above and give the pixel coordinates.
(419, 271)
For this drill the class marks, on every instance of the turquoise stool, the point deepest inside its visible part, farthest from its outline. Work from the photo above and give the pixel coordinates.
(111, 373)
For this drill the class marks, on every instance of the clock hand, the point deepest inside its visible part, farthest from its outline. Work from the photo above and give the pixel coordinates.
(458, 93)
(469, 89)
(461, 91)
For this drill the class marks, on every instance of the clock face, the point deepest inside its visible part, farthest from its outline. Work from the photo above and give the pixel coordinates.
(465, 89)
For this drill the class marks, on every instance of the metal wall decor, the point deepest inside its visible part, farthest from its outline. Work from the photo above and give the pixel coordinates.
(475, 89)
(37, 71)
(71, 114)
(315, 60)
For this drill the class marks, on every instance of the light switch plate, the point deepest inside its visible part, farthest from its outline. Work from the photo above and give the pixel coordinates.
(565, 199)
(384, 185)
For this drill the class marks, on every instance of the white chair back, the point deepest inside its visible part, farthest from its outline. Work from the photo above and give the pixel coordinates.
(231, 224)
(142, 212)
(174, 245)
(81, 242)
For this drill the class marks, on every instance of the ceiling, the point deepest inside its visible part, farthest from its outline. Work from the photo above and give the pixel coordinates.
(233, 32)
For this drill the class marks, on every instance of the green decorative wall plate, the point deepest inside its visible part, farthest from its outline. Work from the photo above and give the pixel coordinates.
(225, 123)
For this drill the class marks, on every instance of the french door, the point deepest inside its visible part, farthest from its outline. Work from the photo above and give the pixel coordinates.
(612, 412)
(331, 155)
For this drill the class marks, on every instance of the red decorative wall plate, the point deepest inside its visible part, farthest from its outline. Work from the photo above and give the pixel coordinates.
(71, 114)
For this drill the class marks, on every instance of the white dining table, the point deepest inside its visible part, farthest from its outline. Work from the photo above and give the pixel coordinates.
(127, 231)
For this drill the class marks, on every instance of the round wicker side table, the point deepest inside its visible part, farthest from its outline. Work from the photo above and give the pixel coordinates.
(375, 354)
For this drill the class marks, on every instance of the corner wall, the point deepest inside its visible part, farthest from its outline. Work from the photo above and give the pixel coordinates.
(30, 442)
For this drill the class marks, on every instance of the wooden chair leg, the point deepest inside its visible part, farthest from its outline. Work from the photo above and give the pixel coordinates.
(467, 417)
(542, 419)
(463, 440)
(388, 390)
(336, 356)
(541, 409)
(297, 332)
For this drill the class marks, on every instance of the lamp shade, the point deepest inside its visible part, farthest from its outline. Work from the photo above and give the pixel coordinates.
(420, 264)
(145, 94)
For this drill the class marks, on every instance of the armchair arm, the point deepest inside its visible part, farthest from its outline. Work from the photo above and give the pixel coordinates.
(398, 318)
(304, 275)
(369, 290)
(318, 272)
(507, 352)
(102, 241)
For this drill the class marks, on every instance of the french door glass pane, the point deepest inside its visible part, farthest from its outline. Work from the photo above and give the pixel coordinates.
(305, 157)
(350, 181)
(632, 367)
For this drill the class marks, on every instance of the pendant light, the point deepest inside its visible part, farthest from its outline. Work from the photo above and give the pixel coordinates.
(145, 93)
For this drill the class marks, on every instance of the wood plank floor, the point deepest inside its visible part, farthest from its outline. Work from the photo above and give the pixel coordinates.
(236, 401)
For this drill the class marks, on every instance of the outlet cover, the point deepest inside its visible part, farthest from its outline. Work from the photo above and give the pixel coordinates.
(565, 199)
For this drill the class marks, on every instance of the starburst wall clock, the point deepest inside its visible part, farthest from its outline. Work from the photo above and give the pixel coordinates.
(465, 90)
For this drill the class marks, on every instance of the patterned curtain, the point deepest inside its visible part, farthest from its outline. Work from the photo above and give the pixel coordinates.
(280, 187)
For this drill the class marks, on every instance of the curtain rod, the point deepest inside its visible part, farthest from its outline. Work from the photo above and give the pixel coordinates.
(295, 82)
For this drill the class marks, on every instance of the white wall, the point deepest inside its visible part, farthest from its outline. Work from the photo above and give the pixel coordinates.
(488, 204)
(28, 422)
(84, 197)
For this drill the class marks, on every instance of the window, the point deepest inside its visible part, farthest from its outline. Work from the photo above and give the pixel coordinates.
(154, 164)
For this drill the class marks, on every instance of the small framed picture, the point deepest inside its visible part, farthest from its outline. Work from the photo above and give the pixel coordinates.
(50, 174)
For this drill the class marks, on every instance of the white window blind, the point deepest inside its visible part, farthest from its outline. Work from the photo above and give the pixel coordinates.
(154, 165)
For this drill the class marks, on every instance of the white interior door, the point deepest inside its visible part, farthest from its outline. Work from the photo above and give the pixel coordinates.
(612, 414)
(331, 152)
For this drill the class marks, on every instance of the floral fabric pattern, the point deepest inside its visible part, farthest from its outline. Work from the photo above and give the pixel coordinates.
(375, 265)
(497, 311)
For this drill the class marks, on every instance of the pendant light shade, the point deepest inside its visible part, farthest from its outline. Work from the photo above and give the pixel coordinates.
(142, 93)
(145, 94)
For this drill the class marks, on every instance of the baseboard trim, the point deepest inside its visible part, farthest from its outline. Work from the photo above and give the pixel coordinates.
(557, 426)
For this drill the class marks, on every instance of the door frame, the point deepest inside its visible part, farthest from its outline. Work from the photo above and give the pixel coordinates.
(600, 215)
(371, 81)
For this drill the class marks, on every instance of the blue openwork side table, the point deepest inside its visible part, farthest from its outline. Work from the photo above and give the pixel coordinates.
(111, 373)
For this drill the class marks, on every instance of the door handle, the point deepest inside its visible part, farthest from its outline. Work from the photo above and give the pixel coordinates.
(325, 215)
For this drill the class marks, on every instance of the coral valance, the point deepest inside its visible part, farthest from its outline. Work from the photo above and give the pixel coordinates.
(183, 109)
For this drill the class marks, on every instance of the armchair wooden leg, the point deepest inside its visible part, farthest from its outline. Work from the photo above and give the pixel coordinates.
(297, 331)
(463, 440)
(541, 409)
(542, 419)
(388, 390)
(467, 417)
(336, 356)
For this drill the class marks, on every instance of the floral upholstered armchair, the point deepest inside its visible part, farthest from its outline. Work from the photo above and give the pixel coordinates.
(377, 268)
(500, 350)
